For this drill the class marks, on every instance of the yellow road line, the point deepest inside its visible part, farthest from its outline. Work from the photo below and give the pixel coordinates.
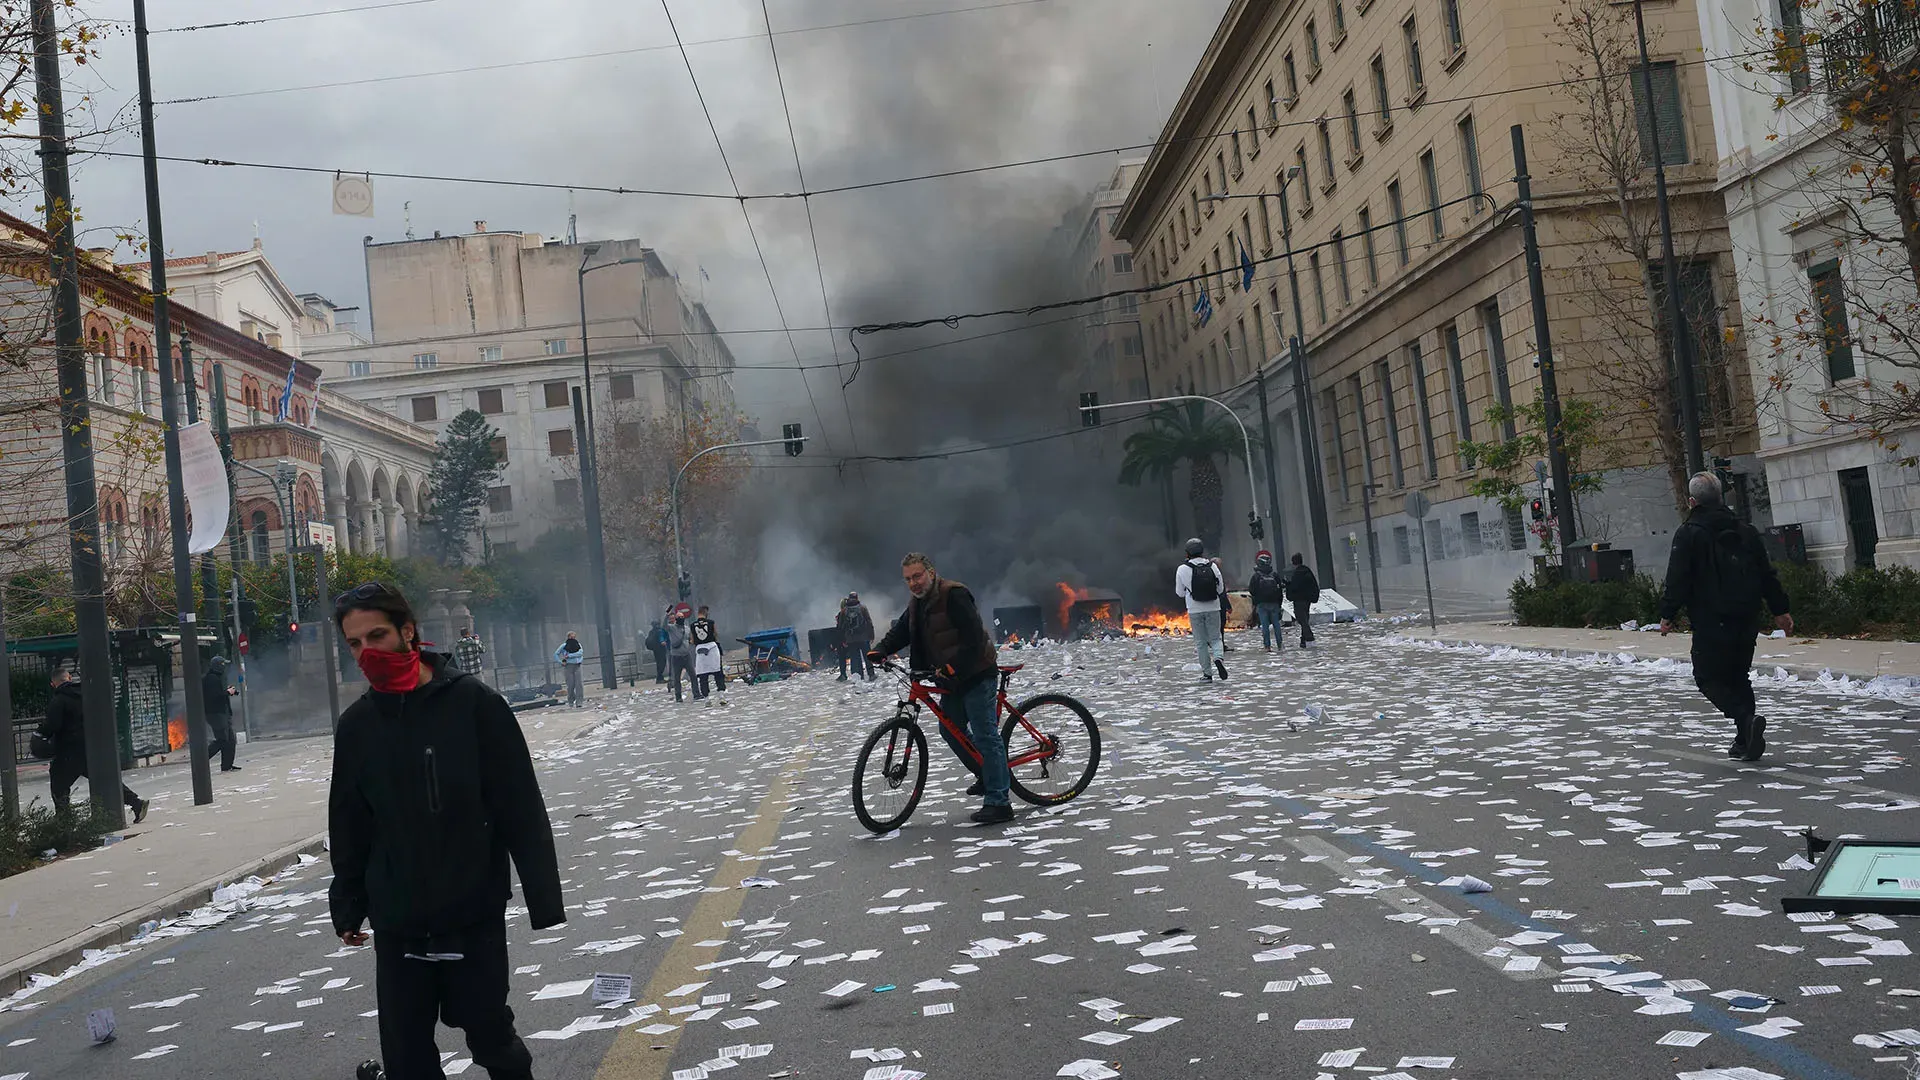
(632, 1057)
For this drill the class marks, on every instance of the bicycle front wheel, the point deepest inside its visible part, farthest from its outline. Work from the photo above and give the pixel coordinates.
(890, 775)
(1053, 748)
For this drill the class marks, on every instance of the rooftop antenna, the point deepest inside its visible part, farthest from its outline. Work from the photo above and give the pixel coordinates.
(573, 220)
(406, 208)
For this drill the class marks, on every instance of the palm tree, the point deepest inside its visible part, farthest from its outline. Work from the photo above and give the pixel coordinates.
(1184, 434)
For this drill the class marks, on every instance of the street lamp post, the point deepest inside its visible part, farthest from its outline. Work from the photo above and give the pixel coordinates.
(283, 479)
(1316, 496)
(1373, 541)
(590, 480)
(673, 500)
(1253, 490)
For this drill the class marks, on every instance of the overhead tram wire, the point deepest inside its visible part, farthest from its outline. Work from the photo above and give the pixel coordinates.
(298, 15)
(751, 231)
(813, 236)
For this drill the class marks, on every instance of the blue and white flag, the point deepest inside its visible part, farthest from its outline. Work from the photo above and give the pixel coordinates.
(313, 417)
(285, 409)
(1203, 308)
(1246, 270)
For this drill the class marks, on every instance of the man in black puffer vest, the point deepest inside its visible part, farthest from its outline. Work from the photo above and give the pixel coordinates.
(433, 793)
(943, 633)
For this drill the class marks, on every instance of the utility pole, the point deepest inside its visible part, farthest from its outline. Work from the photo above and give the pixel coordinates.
(236, 546)
(329, 640)
(1303, 406)
(1678, 337)
(596, 545)
(76, 430)
(1373, 550)
(1565, 520)
(9, 768)
(170, 423)
(1266, 451)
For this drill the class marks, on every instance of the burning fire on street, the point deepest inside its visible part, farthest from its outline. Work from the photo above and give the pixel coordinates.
(176, 733)
(1093, 613)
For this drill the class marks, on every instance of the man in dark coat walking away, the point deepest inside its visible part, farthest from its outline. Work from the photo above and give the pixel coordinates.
(1267, 593)
(657, 645)
(66, 728)
(856, 637)
(1304, 590)
(1719, 572)
(433, 793)
(219, 699)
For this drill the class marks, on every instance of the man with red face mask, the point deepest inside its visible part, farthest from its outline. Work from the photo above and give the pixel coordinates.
(433, 792)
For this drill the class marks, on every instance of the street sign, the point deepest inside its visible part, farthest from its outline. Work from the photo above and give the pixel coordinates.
(321, 534)
(1417, 505)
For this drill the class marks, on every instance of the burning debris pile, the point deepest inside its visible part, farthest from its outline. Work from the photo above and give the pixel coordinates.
(1097, 613)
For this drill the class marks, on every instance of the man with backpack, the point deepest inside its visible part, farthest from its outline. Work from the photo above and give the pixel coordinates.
(1267, 593)
(856, 637)
(1304, 590)
(1198, 582)
(1719, 572)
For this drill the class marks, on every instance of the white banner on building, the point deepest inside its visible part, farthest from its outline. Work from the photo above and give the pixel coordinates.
(353, 195)
(203, 478)
(321, 534)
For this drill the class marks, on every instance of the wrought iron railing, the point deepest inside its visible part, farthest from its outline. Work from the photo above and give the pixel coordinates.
(1884, 34)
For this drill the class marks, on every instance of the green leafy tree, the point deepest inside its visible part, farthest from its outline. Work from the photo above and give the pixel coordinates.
(1507, 466)
(1186, 435)
(464, 467)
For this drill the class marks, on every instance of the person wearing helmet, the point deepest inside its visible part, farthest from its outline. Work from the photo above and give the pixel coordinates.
(1198, 582)
(1268, 592)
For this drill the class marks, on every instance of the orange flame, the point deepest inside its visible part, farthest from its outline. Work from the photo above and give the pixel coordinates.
(176, 733)
(1066, 596)
(1151, 623)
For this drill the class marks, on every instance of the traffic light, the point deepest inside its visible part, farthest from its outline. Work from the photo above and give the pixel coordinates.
(293, 628)
(791, 433)
(1539, 509)
(1255, 526)
(686, 584)
(1090, 410)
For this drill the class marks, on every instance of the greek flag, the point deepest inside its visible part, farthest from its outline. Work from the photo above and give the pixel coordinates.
(285, 409)
(1203, 308)
(1246, 270)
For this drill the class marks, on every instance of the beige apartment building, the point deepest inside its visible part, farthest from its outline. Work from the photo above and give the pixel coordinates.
(1387, 122)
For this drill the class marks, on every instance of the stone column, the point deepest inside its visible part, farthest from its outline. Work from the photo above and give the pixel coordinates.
(390, 524)
(337, 517)
(363, 526)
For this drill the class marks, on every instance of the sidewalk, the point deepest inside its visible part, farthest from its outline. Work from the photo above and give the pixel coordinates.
(273, 809)
(1805, 657)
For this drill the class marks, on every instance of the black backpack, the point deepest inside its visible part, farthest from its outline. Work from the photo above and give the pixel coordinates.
(1205, 588)
(1735, 574)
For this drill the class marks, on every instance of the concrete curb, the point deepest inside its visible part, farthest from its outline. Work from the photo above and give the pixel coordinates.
(53, 959)
(1765, 667)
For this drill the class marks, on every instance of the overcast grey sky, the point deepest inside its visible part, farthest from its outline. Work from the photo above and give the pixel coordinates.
(868, 102)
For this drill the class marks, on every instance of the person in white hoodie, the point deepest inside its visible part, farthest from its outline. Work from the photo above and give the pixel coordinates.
(1197, 581)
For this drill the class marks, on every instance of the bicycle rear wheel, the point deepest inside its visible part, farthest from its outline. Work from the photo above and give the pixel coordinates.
(1053, 748)
(890, 775)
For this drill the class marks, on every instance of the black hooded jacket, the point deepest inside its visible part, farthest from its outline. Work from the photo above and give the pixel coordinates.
(65, 726)
(433, 790)
(1694, 584)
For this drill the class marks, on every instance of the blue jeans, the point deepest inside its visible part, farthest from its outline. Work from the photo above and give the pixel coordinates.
(974, 709)
(1269, 618)
(1206, 638)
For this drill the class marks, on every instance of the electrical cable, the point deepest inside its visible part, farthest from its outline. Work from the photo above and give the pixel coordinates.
(300, 15)
(751, 231)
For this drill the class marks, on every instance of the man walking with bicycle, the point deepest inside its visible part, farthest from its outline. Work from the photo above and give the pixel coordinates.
(943, 633)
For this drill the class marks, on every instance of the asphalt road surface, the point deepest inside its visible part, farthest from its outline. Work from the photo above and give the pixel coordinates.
(1246, 890)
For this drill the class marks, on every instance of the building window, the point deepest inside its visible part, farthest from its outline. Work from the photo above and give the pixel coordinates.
(355, 369)
(426, 360)
(1123, 263)
(1836, 338)
(1497, 362)
(1340, 274)
(1470, 540)
(1239, 162)
(1792, 52)
(489, 354)
(1377, 68)
(1273, 104)
(1193, 204)
(1863, 530)
(1456, 35)
(566, 493)
(1351, 107)
(1313, 50)
(1383, 374)
(500, 499)
(555, 395)
(1470, 158)
(1516, 529)
(1253, 133)
(1319, 287)
(1360, 421)
(1306, 179)
(1416, 363)
(498, 444)
(1667, 111)
(1416, 73)
(1367, 245)
(560, 442)
(1266, 227)
(626, 435)
(1402, 545)
(1463, 413)
(1326, 156)
(1432, 545)
(492, 402)
(1293, 78)
(1330, 407)
(1398, 208)
(621, 386)
(426, 409)
(262, 544)
(1430, 179)
(557, 346)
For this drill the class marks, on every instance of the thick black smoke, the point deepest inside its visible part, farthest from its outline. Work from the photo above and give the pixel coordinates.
(1009, 522)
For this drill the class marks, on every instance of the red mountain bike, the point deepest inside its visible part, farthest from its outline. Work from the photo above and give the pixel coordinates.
(1053, 749)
